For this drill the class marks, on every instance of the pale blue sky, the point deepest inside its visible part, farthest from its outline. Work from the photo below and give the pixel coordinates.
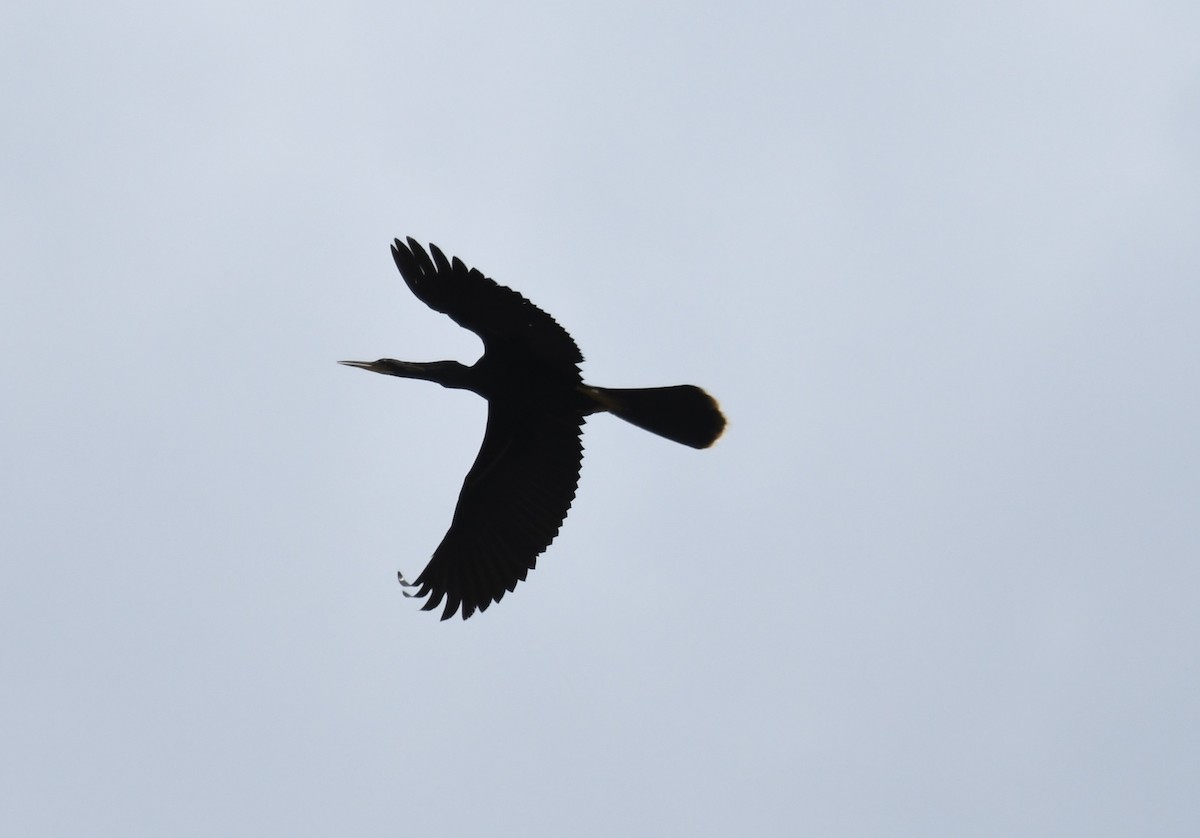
(938, 261)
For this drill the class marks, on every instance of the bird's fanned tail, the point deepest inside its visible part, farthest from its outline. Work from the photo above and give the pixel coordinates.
(683, 413)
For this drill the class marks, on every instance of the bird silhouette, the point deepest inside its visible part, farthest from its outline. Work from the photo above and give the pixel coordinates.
(517, 494)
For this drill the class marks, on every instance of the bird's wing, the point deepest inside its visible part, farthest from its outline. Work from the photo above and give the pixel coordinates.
(512, 504)
(500, 316)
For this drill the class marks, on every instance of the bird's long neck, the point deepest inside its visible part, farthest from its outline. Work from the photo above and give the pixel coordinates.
(447, 373)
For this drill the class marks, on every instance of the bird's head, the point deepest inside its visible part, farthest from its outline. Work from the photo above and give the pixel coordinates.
(382, 365)
(446, 373)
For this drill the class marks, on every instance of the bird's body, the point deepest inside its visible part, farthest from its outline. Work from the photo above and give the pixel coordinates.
(518, 491)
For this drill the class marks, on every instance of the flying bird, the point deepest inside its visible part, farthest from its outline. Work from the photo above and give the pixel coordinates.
(517, 494)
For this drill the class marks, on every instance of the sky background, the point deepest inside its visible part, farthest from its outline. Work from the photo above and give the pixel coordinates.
(940, 262)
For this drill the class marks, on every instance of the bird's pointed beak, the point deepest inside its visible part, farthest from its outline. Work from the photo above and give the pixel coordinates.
(362, 365)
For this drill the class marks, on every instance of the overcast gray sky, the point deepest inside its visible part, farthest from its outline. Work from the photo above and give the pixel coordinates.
(939, 261)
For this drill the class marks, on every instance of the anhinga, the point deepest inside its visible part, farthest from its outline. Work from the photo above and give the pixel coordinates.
(517, 493)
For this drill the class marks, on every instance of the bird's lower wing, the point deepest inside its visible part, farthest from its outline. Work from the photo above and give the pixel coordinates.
(512, 504)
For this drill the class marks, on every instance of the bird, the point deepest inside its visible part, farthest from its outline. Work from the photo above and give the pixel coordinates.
(517, 493)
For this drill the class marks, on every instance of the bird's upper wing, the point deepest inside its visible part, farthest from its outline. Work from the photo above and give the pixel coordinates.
(512, 504)
(501, 317)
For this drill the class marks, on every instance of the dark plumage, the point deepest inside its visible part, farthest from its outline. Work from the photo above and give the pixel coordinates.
(518, 491)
